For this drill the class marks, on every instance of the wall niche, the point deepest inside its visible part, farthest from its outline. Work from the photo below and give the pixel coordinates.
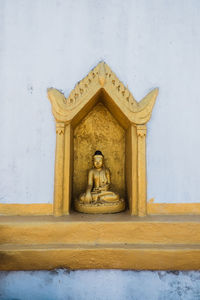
(101, 114)
(99, 130)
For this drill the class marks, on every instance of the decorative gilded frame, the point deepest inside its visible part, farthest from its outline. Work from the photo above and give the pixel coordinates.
(132, 115)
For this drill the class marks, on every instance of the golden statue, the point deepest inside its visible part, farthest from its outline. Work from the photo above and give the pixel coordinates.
(98, 197)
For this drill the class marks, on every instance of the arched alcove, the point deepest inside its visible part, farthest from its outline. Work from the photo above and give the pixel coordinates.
(100, 99)
(99, 130)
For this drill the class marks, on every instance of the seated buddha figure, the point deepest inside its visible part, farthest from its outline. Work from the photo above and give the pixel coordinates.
(98, 188)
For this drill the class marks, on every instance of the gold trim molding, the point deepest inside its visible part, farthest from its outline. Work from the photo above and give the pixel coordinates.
(173, 208)
(101, 84)
(152, 209)
(26, 209)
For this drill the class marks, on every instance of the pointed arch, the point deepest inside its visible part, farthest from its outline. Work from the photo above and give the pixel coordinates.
(101, 84)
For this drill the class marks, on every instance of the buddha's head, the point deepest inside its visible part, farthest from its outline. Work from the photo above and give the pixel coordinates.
(98, 159)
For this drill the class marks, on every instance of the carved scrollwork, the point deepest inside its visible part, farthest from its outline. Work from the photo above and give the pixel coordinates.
(60, 128)
(101, 77)
(141, 130)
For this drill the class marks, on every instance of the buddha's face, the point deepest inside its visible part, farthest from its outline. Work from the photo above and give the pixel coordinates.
(98, 161)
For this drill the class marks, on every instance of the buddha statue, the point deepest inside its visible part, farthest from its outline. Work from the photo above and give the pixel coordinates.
(98, 196)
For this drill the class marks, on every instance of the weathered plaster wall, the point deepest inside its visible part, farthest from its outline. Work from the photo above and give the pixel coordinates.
(98, 285)
(55, 43)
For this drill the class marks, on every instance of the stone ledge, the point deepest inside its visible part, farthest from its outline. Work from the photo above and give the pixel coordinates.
(139, 257)
(100, 229)
(118, 241)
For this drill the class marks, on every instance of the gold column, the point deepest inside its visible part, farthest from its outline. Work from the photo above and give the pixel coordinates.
(67, 169)
(131, 169)
(142, 181)
(59, 170)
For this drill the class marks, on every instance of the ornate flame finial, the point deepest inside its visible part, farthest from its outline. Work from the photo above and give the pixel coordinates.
(102, 73)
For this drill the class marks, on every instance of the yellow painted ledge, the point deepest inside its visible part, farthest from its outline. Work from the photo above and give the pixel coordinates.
(173, 208)
(125, 257)
(152, 209)
(117, 241)
(32, 239)
(26, 209)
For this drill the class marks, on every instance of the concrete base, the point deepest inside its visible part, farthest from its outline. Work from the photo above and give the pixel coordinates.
(118, 241)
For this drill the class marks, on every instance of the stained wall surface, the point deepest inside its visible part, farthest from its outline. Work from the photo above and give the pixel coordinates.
(98, 285)
(55, 43)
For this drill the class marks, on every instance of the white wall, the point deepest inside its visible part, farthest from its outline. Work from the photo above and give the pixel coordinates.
(45, 43)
